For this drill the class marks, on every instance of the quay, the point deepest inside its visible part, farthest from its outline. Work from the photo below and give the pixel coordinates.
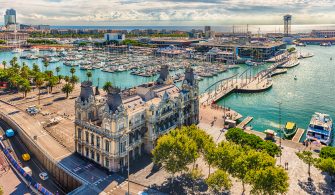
(298, 135)
(278, 72)
(245, 122)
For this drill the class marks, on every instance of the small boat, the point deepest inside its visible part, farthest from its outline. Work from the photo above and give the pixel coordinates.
(290, 130)
(331, 58)
(326, 44)
(295, 77)
(320, 129)
(35, 50)
(301, 45)
(17, 50)
(250, 63)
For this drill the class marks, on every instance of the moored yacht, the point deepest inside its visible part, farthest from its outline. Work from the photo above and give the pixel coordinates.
(17, 50)
(320, 128)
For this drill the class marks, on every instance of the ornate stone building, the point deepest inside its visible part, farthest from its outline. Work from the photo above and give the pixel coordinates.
(121, 123)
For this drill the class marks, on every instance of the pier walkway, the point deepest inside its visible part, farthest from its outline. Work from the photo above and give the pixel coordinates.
(244, 122)
(298, 135)
(244, 82)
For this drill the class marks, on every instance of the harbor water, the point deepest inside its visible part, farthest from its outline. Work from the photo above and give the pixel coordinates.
(312, 91)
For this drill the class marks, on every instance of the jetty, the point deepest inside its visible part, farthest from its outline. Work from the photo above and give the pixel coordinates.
(243, 83)
(298, 135)
(244, 122)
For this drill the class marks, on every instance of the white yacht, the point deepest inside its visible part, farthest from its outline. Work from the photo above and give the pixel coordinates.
(320, 128)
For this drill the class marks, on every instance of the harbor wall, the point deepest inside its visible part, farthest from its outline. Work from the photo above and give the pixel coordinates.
(63, 177)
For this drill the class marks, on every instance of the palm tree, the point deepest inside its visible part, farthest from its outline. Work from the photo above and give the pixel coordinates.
(4, 63)
(57, 70)
(74, 80)
(36, 68)
(39, 82)
(72, 71)
(52, 82)
(67, 79)
(67, 88)
(106, 86)
(24, 87)
(46, 64)
(89, 75)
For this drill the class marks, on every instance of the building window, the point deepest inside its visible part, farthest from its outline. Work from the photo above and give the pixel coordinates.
(122, 147)
(98, 142)
(107, 162)
(107, 146)
(79, 133)
(92, 139)
(98, 158)
(79, 148)
(86, 150)
(86, 135)
(92, 154)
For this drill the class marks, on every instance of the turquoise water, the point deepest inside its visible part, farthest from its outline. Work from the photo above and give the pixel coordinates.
(313, 91)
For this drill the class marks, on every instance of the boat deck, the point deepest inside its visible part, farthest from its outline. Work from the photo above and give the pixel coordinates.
(244, 122)
(298, 135)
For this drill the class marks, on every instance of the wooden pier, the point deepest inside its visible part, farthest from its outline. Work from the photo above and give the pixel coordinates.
(298, 135)
(244, 122)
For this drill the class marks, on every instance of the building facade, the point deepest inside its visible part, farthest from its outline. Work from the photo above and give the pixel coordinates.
(10, 17)
(109, 128)
(115, 37)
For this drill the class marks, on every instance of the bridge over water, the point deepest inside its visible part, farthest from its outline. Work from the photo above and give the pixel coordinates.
(243, 82)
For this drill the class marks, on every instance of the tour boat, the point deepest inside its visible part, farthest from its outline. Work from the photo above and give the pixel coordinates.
(326, 44)
(301, 44)
(289, 130)
(320, 128)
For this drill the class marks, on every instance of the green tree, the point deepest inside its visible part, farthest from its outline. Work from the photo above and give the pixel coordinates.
(67, 79)
(74, 80)
(4, 63)
(270, 180)
(24, 87)
(67, 89)
(1, 190)
(307, 157)
(36, 69)
(52, 82)
(72, 71)
(326, 165)
(25, 72)
(327, 152)
(46, 64)
(39, 83)
(218, 181)
(174, 151)
(226, 154)
(106, 86)
(250, 161)
(89, 75)
(57, 70)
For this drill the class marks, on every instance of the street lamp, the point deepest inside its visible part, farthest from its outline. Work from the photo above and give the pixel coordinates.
(280, 129)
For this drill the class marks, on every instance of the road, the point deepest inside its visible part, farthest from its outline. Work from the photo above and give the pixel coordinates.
(19, 148)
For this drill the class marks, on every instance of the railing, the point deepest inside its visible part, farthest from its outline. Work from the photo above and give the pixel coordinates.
(98, 130)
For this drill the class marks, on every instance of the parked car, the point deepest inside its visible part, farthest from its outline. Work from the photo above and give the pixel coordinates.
(26, 157)
(44, 176)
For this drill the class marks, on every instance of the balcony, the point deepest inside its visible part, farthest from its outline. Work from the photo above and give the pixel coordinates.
(99, 130)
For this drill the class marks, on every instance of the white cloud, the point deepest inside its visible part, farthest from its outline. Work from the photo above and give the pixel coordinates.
(175, 12)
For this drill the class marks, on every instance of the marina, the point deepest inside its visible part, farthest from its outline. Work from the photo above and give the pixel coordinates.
(207, 73)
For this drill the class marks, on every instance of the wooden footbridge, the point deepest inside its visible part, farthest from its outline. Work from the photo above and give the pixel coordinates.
(244, 82)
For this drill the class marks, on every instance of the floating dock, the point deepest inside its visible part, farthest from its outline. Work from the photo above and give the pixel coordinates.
(298, 135)
(244, 122)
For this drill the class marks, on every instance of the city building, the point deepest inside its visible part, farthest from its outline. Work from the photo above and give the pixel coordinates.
(207, 31)
(10, 17)
(323, 33)
(115, 37)
(109, 128)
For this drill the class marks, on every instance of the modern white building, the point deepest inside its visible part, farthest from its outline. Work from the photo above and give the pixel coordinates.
(115, 37)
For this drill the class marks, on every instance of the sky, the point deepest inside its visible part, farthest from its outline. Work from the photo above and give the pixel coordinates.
(169, 12)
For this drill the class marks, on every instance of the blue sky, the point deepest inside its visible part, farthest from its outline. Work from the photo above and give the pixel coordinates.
(170, 12)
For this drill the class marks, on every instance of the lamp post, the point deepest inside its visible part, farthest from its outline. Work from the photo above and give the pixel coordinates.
(280, 129)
